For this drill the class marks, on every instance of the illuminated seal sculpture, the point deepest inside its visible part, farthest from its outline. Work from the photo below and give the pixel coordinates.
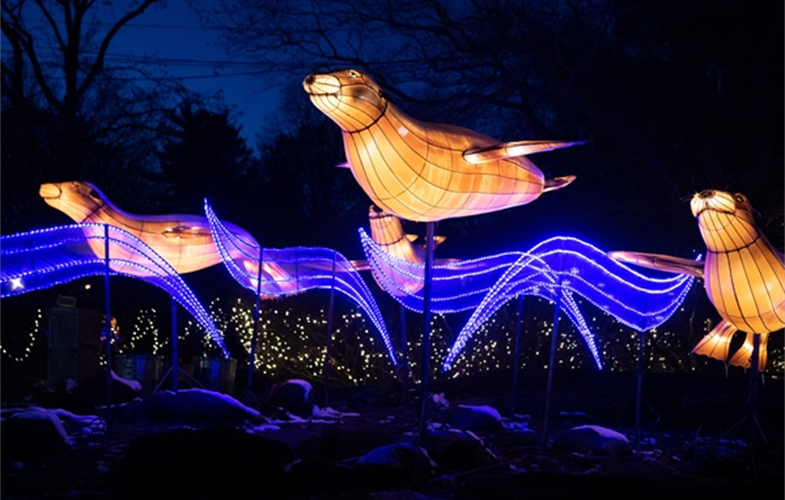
(744, 275)
(424, 171)
(387, 232)
(185, 241)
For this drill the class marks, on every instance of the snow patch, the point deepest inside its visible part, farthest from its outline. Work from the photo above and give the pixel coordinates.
(328, 412)
(302, 383)
(488, 410)
(133, 384)
(263, 428)
(440, 400)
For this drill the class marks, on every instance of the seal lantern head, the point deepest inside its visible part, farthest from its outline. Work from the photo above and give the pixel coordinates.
(350, 98)
(725, 219)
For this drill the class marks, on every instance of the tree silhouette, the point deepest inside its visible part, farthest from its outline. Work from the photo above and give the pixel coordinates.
(67, 113)
(203, 156)
(72, 33)
(320, 204)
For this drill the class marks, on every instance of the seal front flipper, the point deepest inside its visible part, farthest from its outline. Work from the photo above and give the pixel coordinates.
(660, 262)
(506, 150)
(716, 343)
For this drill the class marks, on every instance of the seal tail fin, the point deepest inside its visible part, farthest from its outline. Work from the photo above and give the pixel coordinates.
(716, 343)
(742, 357)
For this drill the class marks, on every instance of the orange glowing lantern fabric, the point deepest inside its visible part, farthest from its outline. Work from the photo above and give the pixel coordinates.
(744, 275)
(387, 232)
(185, 241)
(424, 171)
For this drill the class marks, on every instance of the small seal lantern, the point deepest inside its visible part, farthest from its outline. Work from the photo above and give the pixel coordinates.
(426, 172)
(743, 273)
(744, 276)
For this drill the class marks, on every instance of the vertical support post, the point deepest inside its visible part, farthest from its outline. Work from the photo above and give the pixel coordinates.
(639, 387)
(551, 367)
(326, 371)
(426, 333)
(754, 381)
(175, 353)
(405, 356)
(516, 357)
(107, 327)
(255, 334)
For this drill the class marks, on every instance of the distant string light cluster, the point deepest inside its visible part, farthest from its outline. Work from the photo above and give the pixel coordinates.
(145, 334)
(31, 335)
(294, 342)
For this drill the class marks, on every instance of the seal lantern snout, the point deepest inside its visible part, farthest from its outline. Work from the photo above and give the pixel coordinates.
(706, 193)
(49, 190)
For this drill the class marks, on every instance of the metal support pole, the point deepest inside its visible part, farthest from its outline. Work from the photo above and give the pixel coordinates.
(426, 333)
(639, 387)
(516, 355)
(107, 327)
(175, 353)
(551, 366)
(329, 335)
(255, 334)
(405, 356)
(754, 381)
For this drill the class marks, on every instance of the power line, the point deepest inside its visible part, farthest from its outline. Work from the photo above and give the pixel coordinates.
(251, 69)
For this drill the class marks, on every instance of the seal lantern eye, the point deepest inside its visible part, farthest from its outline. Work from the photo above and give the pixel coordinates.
(739, 198)
(354, 74)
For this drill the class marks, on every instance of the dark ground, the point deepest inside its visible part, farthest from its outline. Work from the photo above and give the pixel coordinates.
(698, 447)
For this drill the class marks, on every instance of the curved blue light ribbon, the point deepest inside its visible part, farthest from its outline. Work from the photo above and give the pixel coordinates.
(294, 270)
(554, 269)
(47, 257)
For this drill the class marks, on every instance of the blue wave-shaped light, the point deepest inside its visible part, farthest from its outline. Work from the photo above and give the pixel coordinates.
(294, 270)
(635, 300)
(467, 284)
(44, 258)
(554, 269)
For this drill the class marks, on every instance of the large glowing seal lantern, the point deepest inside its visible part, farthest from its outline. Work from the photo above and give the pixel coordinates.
(424, 171)
(744, 275)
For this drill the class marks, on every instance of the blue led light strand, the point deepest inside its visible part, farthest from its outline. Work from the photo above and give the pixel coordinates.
(632, 298)
(294, 270)
(554, 269)
(47, 257)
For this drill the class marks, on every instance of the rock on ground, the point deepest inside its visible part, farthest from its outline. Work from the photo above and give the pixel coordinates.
(594, 438)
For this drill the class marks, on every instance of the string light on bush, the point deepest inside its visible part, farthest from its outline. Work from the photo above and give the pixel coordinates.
(31, 335)
(291, 342)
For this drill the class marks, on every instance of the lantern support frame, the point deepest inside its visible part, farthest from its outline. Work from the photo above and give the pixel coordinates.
(426, 333)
